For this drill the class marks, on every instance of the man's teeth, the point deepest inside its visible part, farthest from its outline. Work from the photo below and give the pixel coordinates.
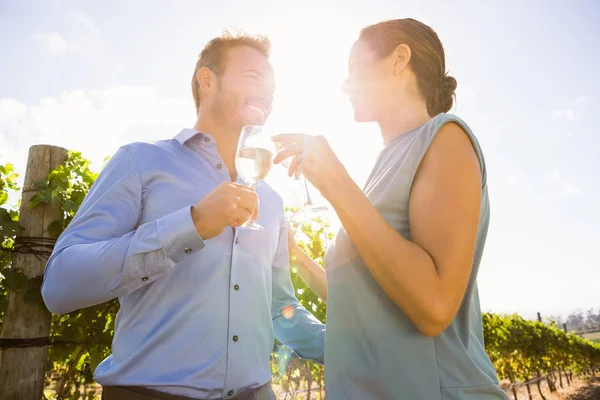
(258, 110)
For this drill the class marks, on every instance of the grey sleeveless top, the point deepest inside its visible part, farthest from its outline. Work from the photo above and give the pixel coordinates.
(372, 349)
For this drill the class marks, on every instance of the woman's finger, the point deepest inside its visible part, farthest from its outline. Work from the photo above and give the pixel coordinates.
(290, 137)
(293, 170)
(288, 152)
(299, 170)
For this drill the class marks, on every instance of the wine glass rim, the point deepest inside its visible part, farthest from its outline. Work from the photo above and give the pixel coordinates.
(252, 127)
(256, 130)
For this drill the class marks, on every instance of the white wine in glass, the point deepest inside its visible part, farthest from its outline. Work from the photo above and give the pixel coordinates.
(254, 159)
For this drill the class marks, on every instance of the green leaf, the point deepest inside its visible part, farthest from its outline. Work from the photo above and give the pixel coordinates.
(35, 201)
(8, 226)
(55, 228)
(41, 184)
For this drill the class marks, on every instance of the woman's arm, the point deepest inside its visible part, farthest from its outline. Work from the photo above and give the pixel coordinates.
(311, 273)
(427, 275)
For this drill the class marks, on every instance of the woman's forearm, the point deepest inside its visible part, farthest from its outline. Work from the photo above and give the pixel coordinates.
(405, 272)
(310, 272)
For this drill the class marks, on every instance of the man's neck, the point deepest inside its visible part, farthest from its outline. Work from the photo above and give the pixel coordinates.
(226, 140)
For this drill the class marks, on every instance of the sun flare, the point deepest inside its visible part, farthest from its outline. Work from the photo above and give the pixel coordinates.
(310, 67)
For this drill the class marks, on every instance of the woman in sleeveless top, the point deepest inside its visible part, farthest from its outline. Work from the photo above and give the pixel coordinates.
(403, 315)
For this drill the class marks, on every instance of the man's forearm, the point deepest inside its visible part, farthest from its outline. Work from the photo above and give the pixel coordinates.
(80, 275)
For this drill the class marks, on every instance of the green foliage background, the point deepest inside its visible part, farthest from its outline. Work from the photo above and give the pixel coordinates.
(520, 349)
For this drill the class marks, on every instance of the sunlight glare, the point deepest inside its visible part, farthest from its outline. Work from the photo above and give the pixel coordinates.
(310, 67)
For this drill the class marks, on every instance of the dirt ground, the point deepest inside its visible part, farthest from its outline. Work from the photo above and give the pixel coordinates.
(584, 388)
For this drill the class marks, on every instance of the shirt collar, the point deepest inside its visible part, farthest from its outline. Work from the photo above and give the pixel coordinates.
(188, 133)
(185, 135)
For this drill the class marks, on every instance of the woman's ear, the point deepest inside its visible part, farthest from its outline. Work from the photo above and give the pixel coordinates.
(400, 58)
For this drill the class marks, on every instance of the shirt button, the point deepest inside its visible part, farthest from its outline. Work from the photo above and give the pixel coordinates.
(230, 393)
(144, 278)
(237, 240)
(187, 250)
(235, 338)
(206, 139)
(219, 166)
(236, 287)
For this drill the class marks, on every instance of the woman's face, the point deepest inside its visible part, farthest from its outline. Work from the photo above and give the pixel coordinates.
(369, 84)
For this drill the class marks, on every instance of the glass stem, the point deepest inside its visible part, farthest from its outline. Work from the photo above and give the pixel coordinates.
(308, 199)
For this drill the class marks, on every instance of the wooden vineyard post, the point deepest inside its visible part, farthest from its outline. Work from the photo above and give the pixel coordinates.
(22, 370)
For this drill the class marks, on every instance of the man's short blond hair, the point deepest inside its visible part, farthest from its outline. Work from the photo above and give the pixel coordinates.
(214, 53)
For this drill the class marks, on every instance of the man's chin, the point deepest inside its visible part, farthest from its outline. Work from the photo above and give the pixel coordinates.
(245, 119)
(236, 129)
(253, 121)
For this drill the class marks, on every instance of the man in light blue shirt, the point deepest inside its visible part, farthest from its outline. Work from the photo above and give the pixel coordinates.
(201, 298)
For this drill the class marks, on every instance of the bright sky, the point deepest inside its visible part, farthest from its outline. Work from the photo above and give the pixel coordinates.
(92, 76)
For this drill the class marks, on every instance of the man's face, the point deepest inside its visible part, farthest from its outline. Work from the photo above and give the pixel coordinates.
(245, 88)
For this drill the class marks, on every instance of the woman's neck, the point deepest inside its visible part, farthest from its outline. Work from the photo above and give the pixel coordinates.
(402, 118)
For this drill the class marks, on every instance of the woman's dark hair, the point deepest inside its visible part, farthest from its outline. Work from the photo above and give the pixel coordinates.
(428, 60)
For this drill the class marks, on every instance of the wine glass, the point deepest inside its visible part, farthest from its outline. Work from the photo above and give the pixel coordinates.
(309, 210)
(253, 160)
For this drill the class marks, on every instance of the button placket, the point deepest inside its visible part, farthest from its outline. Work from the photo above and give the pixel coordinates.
(214, 157)
(221, 171)
(236, 241)
(236, 299)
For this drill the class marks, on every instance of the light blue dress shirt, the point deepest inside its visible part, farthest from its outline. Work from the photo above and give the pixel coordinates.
(198, 317)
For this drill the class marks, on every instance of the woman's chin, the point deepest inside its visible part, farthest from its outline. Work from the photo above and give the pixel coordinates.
(361, 116)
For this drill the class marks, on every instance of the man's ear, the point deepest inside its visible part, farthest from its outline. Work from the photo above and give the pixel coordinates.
(206, 80)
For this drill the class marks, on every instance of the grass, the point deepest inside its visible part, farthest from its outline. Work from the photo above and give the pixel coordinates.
(593, 337)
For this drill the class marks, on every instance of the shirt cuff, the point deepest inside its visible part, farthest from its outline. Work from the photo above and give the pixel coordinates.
(178, 235)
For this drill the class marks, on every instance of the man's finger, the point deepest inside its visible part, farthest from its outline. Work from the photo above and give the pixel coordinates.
(249, 204)
(238, 186)
(240, 216)
(256, 212)
(240, 190)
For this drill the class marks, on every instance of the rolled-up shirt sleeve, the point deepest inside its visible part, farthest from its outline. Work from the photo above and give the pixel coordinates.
(294, 326)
